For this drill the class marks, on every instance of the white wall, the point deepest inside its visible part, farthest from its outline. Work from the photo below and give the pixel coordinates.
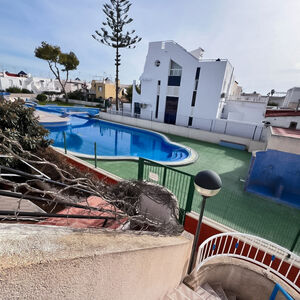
(282, 143)
(215, 78)
(245, 111)
(292, 97)
(284, 121)
(212, 137)
(56, 262)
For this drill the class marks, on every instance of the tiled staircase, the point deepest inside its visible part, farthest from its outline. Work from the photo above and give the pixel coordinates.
(204, 292)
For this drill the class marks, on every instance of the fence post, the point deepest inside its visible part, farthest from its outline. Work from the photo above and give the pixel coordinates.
(140, 169)
(65, 142)
(190, 195)
(95, 150)
(253, 137)
(164, 176)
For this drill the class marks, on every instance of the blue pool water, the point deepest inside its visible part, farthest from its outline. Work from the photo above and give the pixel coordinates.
(114, 140)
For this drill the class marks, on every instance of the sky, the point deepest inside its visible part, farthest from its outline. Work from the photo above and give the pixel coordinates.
(259, 37)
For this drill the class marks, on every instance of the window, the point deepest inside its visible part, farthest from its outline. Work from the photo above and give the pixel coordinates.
(100, 89)
(175, 69)
(293, 125)
(157, 104)
(195, 86)
(194, 98)
(157, 63)
(158, 87)
(197, 73)
(190, 121)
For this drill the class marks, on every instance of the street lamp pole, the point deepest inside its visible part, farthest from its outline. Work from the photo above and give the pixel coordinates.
(196, 238)
(207, 184)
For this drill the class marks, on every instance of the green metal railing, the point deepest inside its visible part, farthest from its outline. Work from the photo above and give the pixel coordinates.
(181, 184)
(225, 208)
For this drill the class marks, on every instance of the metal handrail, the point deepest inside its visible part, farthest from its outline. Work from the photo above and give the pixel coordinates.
(234, 244)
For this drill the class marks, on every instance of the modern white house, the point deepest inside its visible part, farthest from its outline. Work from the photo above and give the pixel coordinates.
(180, 87)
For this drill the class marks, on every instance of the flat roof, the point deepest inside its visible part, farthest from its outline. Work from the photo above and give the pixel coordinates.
(293, 133)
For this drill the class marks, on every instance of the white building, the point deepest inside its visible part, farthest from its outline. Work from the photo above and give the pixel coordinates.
(284, 118)
(35, 84)
(179, 87)
(243, 110)
(292, 98)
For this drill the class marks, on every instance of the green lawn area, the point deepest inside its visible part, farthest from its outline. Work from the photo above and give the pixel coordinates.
(232, 206)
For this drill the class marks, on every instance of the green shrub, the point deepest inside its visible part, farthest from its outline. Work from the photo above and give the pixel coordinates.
(14, 89)
(76, 95)
(17, 90)
(41, 97)
(18, 123)
(26, 91)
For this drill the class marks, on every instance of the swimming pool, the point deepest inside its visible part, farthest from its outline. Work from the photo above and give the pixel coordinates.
(115, 141)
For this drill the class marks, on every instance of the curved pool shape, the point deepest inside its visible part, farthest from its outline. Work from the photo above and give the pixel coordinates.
(116, 141)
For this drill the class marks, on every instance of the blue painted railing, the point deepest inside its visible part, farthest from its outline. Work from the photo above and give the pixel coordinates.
(277, 288)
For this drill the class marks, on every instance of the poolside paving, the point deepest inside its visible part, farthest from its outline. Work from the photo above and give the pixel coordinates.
(233, 206)
(45, 117)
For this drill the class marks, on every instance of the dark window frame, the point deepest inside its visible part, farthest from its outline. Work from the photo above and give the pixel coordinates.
(157, 105)
(197, 73)
(194, 98)
(190, 121)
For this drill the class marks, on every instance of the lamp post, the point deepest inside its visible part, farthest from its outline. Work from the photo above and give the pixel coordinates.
(207, 184)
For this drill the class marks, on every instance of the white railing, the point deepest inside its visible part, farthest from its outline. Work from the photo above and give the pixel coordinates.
(270, 256)
(245, 130)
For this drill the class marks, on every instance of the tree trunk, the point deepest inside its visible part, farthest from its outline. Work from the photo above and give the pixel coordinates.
(66, 95)
(117, 78)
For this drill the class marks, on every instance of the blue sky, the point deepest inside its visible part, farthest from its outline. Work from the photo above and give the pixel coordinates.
(260, 37)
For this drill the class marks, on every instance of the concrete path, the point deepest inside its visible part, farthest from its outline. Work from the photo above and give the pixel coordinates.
(45, 117)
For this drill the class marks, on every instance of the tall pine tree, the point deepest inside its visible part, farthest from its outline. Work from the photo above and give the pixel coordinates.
(113, 33)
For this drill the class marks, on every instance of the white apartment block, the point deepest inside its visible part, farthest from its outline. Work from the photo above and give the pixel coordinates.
(180, 87)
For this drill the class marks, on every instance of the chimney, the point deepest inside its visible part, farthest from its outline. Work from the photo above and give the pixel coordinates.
(198, 53)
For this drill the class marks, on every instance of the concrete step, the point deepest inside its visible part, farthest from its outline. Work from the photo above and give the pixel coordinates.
(183, 292)
(206, 286)
(206, 295)
(217, 287)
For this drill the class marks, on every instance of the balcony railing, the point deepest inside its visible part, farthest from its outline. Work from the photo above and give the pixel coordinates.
(270, 256)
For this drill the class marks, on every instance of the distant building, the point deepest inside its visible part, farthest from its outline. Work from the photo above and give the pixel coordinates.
(240, 109)
(106, 89)
(292, 99)
(180, 87)
(76, 85)
(285, 118)
(26, 81)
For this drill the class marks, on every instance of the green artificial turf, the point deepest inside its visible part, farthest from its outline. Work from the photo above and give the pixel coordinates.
(232, 207)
